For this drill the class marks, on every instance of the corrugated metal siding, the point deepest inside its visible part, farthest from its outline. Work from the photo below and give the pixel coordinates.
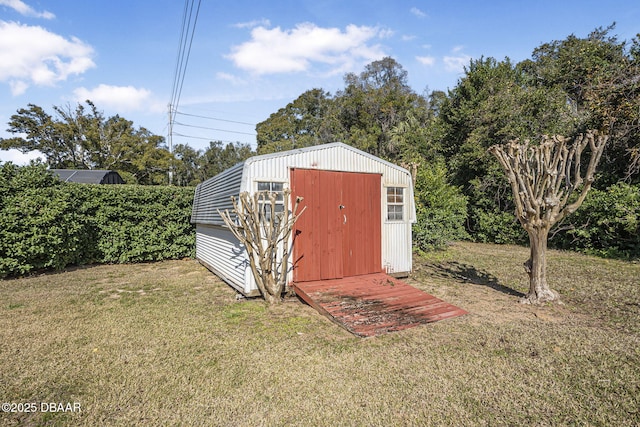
(218, 248)
(397, 254)
(215, 193)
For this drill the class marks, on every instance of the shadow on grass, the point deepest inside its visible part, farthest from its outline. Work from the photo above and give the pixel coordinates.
(470, 274)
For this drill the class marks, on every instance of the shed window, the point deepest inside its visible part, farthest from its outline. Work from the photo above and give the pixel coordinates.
(395, 203)
(272, 187)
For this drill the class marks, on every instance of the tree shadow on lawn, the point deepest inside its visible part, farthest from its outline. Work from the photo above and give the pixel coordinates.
(469, 274)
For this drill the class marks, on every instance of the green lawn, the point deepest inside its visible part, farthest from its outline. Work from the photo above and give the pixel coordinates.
(168, 344)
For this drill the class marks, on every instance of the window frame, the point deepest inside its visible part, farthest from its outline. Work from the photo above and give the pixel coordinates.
(398, 215)
(280, 202)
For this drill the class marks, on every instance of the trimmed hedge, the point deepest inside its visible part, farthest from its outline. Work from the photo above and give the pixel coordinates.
(47, 224)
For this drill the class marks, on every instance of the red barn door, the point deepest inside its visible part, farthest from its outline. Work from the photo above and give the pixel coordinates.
(339, 233)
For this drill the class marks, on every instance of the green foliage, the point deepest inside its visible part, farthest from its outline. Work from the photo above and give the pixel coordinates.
(373, 103)
(191, 166)
(186, 165)
(491, 210)
(441, 209)
(39, 224)
(607, 224)
(84, 139)
(363, 115)
(599, 76)
(494, 103)
(567, 87)
(136, 223)
(217, 158)
(47, 224)
(495, 226)
(304, 122)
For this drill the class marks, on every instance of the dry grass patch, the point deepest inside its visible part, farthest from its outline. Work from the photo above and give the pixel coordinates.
(168, 344)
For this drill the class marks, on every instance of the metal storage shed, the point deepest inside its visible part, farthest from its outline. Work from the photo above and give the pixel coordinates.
(85, 176)
(358, 217)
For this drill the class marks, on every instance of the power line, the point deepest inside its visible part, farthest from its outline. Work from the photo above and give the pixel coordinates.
(244, 116)
(210, 139)
(183, 51)
(219, 130)
(194, 137)
(182, 60)
(215, 118)
(180, 57)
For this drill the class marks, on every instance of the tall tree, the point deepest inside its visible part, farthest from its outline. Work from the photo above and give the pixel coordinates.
(308, 120)
(42, 133)
(549, 182)
(600, 76)
(82, 138)
(493, 103)
(218, 157)
(186, 165)
(373, 103)
(418, 138)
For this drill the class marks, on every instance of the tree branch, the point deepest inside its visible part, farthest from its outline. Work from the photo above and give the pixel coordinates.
(265, 236)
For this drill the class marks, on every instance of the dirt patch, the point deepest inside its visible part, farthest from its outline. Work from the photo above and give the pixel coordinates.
(487, 297)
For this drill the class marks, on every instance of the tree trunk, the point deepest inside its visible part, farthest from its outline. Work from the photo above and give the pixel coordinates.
(274, 292)
(536, 268)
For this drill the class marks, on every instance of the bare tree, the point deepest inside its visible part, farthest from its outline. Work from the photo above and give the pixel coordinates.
(265, 234)
(549, 182)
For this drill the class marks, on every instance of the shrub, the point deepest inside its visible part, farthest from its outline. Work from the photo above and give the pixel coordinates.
(607, 223)
(441, 209)
(496, 226)
(142, 223)
(37, 221)
(47, 224)
(491, 210)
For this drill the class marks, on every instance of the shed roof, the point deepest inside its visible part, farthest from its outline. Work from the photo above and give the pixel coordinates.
(320, 147)
(84, 176)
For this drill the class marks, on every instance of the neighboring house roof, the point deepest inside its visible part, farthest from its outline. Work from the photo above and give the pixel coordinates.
(84, 176)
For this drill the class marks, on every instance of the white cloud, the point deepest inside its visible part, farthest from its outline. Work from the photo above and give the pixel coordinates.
(234, 80)
(456, 63)
(24, 9)
(426, 60)
(19, 158)
(457, 60)
(252, 24)
(120, 98)
(275, 50)
(31, 55)
(386, 33)
(417, 12)
(18, 87)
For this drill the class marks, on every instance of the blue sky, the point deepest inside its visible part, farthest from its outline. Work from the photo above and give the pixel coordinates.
(250, 58)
